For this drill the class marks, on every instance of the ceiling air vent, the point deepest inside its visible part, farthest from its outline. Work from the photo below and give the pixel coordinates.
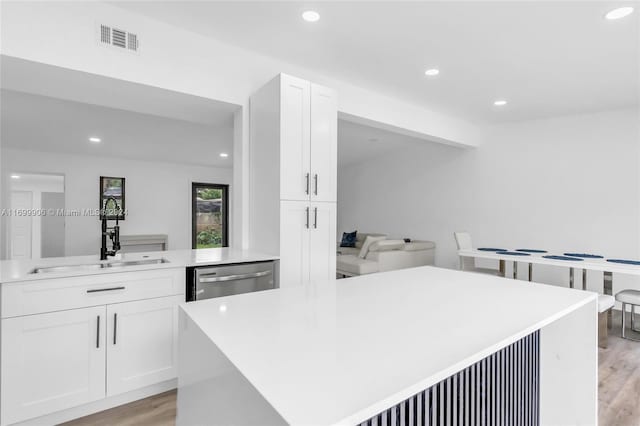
(109, 36)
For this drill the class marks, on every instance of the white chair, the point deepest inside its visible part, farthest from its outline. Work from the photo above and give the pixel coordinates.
(463, 241)
(605, 303)
(629, 297)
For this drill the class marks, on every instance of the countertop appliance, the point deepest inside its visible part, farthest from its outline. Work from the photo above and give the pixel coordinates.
(226, 280)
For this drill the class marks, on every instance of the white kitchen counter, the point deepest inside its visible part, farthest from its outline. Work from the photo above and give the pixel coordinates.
(340, 352)
(20, 270)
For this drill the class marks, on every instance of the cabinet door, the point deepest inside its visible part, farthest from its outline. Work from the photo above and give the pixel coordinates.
(323, 241)
(142, 339)
(324, 144)
(295, 163)
(51, 362)
(295, 217)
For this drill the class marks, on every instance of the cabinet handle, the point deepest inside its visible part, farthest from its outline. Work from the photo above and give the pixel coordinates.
(98, 332)
(306, 191)
(97, 290)
(315, 218)
(307, 224)
(315, 186)
(115, 328)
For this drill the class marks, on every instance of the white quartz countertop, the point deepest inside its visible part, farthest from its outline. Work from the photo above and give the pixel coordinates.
(20, 270)
(340, 352)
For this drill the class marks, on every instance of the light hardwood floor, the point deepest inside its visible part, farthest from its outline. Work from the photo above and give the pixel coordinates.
(619, 379)
(158, 410)
(618, 395)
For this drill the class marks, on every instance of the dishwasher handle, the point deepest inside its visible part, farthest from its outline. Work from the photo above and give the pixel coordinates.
(235, 277)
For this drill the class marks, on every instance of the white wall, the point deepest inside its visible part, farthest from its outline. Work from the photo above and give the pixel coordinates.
(158, 195)
(568, 183)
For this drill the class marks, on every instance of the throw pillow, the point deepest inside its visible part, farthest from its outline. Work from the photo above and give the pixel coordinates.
(348, 239)
(367, 243)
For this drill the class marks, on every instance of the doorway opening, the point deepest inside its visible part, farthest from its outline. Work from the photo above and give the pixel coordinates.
(37, 218)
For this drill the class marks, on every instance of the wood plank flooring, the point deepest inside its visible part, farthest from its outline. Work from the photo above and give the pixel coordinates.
(619, 379)
(618, 394)
(158, 410)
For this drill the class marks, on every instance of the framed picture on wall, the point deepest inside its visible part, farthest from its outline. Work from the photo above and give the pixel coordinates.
(112, 198)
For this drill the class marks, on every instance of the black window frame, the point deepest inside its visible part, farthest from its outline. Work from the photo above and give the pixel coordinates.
(102, 204)
(225, 211)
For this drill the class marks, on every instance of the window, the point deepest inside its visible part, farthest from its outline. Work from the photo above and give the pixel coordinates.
(210, 211)
(112, 198)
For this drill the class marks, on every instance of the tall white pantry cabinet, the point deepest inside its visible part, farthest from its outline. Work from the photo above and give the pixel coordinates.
(293, 177)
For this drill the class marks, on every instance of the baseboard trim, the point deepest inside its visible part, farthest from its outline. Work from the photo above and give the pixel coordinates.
(101, 405)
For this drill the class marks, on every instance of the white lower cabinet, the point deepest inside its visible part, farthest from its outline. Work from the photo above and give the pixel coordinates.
(52, 361)
(118, 342)
(142, 343)
(322, 242)
(307, 242)
(295, 217)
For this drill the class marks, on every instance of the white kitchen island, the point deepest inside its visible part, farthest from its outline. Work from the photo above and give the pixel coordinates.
(415, 346)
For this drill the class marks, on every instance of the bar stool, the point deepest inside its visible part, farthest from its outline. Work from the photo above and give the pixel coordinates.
(629, 297)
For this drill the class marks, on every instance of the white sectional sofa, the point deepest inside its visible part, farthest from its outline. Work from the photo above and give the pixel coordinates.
(383, 255)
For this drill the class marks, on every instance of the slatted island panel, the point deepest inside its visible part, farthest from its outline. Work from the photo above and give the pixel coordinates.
(501, 389)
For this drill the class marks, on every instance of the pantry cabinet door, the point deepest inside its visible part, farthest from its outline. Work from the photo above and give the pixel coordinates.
(295, 173)
(295, 219)
(324, 144)
(322, 242)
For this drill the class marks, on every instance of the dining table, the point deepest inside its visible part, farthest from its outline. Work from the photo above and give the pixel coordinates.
(573, 261)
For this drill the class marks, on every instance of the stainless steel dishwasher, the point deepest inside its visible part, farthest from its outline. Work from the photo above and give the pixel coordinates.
(227, 280)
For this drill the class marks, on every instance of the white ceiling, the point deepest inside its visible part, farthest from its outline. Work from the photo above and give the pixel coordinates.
(40, 123)
(358, 143)
(546, 58)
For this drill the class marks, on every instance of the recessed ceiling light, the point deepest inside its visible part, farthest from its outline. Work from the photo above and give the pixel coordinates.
(224, 155)
(432, 72)
(620, 12)
(95, 140)
(500, 102)
(311, 16)
(372, 139)
(15, 177)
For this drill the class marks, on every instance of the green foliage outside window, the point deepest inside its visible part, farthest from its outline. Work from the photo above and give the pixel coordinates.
(209, 238)
(209, 193)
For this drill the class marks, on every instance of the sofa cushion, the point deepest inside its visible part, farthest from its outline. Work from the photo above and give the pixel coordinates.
(362, 236)
(367, 243)
(386, 245)
(349, 239)
(355, 265)
(419, 245)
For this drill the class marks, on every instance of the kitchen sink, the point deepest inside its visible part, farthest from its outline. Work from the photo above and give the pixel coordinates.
(68, 268)
(95, 266)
